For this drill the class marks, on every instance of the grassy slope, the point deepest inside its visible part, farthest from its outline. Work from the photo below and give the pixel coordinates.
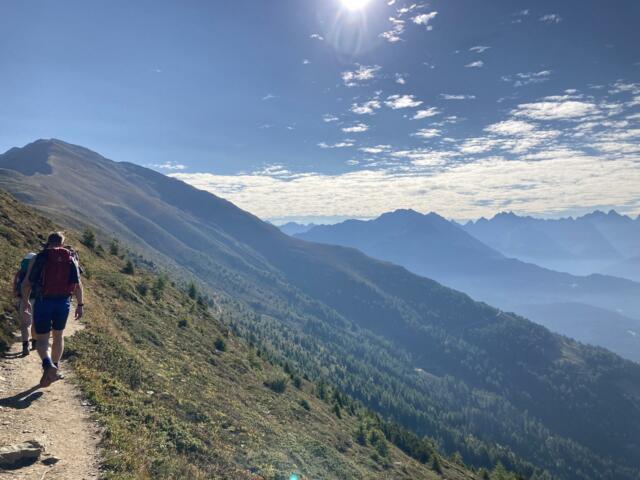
(17, 237)
(174, 408)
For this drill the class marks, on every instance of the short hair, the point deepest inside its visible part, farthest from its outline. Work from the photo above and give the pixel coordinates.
(55, 238)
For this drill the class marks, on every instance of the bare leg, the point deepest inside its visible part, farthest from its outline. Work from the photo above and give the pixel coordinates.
(25, 323)
(58, 346)
(43, 345)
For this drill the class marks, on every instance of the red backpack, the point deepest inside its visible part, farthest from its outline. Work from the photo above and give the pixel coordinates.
(55, 272)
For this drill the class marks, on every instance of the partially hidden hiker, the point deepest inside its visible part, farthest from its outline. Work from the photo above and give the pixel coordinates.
(54, 274)
(26, 321)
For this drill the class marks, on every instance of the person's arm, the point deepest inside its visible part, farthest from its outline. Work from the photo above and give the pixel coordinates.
(26, 287)
(79, 293)
(17, 291)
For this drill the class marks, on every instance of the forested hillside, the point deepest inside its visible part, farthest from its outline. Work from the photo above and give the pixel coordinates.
(434, 247)
(487, 384)
(180, 396)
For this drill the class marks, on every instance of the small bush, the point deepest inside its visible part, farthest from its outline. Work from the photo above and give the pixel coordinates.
(220, 344)
(192, 291)
(159, 286)
(184, 323)
(129, 269)
(435, 464)
(114, 248)
(143, 289)
(278, 385)
(88, 238)
(304, 404)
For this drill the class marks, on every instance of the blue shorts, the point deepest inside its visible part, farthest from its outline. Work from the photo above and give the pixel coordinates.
(51, 313)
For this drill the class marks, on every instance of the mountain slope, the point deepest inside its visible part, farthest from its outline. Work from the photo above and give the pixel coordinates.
(431, 246)
(490, 385)
(593, 325)
(583, 245)
(175, 406)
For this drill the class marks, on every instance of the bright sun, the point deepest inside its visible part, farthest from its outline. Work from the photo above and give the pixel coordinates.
(354, 4)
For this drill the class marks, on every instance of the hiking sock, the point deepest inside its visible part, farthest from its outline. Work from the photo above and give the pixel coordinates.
(25, 348)
(33, 344)
(47, 363)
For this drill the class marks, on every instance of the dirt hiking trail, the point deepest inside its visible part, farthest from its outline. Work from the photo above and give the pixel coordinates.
(55, 416)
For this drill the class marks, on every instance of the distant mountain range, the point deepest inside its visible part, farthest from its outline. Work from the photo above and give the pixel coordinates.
(487, 384)
(432, 246)
(293, 228)
(597, 242)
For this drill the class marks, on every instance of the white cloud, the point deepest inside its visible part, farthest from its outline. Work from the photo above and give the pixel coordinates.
(625, 87)
(519, 164)
(522, 79)
(511, 127)
(448, 96)
(402, 101)
(400, 79)
(306, 61)
(362, 74)
(345, 144)
(173, 166)
(329, 118)
(426, 113)
(316, 36)
(479, 49)
(427, 133)
(268, 96)
(424, 19)
(519, 15)
(556, 181)
(357, 128)
(366, 108)
(375, 150)
(556, 110)
(551, 18)
(397, 29)
(476, 64)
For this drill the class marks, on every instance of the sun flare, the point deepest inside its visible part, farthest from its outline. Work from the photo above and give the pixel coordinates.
(354, 4)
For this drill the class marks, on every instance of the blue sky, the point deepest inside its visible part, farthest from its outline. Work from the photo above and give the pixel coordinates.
(307, 109)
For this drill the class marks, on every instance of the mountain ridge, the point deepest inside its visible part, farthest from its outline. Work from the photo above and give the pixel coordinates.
(431, 246)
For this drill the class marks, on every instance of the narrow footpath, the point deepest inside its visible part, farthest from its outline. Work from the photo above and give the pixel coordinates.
(56, 417)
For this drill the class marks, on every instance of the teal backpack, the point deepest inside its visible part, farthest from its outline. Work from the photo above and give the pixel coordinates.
(21, 274)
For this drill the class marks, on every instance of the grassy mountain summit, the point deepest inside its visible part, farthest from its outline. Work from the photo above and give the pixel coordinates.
(487, 384)
(181, 397)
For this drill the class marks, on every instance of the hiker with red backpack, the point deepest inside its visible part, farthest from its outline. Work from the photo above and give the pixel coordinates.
(54, 275)
(26, 322)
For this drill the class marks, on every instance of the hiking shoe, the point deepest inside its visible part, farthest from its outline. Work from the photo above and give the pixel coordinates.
(49, 376)
(60, 374)
(25, 349)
